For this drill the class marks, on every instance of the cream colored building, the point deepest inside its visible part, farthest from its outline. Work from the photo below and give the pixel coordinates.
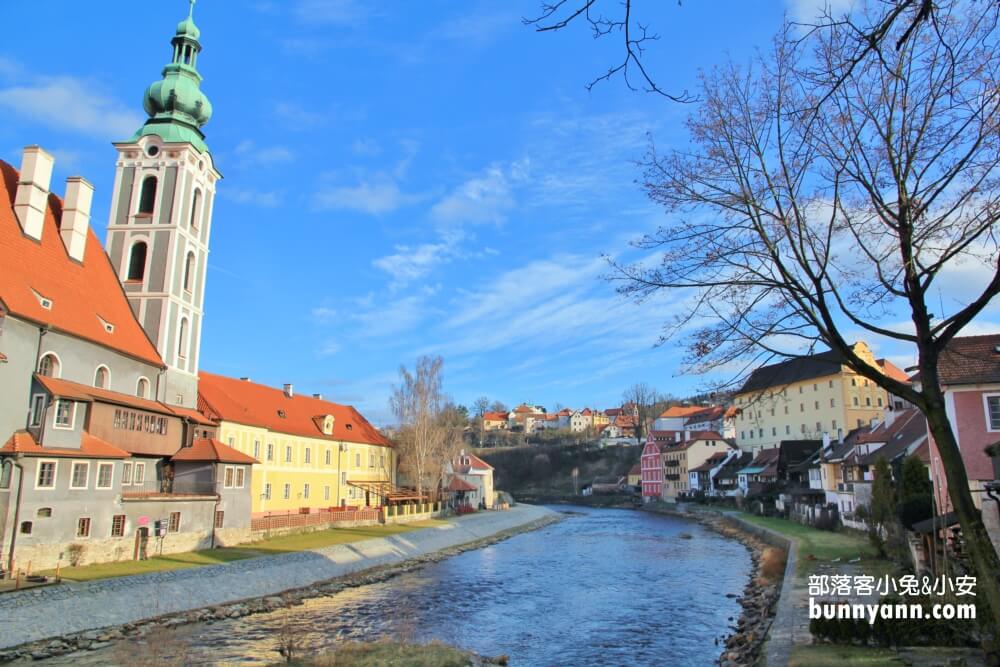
(805, 397)
(313, 454)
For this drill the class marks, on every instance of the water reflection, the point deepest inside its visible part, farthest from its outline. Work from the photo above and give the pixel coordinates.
(610, 587)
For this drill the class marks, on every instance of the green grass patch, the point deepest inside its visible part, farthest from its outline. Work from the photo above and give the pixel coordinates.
(380, 654)
(826, 655)
(268, 547)
(825, 545)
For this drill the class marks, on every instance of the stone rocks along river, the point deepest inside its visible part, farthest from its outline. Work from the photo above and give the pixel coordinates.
(603, 587)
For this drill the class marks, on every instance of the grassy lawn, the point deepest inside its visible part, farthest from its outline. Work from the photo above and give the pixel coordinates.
(824, 545)
(379, 654)
(824, 655)
(274, 545)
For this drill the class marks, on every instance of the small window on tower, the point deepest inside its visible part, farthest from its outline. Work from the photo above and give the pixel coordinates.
(147, 198)
(196, 209)
(137, 262)
(188, 271)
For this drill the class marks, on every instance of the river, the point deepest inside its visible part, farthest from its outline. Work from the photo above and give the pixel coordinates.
(602, 587)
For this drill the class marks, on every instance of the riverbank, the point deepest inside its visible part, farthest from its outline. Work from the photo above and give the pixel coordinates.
(62, 619)
(745, 644)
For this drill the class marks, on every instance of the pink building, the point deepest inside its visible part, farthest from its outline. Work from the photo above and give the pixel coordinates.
(969, 369)
(651, 471)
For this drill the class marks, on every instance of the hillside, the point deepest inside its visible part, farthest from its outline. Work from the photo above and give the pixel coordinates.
(549, 470)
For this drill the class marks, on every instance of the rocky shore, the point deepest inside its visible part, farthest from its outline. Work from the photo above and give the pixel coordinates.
(744, 643)
(93, 640)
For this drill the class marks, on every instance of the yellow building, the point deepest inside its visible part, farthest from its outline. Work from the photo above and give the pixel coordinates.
(805, 397)
(313, 453)
(600, 419)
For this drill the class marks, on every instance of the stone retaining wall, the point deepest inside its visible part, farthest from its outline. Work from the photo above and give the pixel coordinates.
(54, 611)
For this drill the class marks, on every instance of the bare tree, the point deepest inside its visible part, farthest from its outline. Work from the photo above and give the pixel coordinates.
(891, 26)
(498, 406)
(797, 223)
(643, 398)
(428, 436)
(480, 406)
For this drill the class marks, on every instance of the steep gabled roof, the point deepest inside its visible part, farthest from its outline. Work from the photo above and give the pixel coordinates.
(253, 404)
(680, 411)
(970, 360)
(81, 294)
(495, 416)
(794, 370)
(210, 449)
(893, 371)
(91, 447)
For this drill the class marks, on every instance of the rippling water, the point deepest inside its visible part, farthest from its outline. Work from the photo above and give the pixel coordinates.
(603, 587)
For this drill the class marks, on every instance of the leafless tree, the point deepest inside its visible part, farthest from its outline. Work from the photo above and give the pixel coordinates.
(643, 398)
(427, 437)
(890, 27)
(795, 223)
(498, 406)
(480, 406)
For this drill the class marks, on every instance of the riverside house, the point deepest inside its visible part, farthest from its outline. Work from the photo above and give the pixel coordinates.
(312, 454)
(687, 452)
(651, 470)
(473, 478)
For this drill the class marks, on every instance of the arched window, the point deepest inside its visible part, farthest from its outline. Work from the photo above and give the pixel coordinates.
(137, 262)
(48, 365)
(182, 344)
(196, 209)
(188, 271)
(142, 388)
(101, 376)
(147, 199)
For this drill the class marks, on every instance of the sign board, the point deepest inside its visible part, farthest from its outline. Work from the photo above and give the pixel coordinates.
(143, 521)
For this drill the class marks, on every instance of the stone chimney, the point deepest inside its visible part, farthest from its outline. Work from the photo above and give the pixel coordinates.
(289, 391)
(76, 216)
(33, 191)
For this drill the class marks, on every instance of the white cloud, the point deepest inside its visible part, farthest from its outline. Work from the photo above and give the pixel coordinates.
(483, 199)
(374, 198)
(409, 263)
(69, 103)
(250, 153)
(261, 198)
(299, 117)
(329, 348)
(366, 147)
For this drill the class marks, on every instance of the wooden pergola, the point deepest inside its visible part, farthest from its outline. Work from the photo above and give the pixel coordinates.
(394, 495)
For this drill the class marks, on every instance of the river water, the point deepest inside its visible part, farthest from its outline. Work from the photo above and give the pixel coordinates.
(602, 587)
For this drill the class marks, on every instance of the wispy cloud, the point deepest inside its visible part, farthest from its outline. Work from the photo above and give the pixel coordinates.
(485, 198)
(251, 154)
(374, 198)
(298, 116)
(410, 263)
(262, 198)
(331, 12)
(71, 103)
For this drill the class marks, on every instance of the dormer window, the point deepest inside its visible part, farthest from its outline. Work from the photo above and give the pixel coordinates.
(108, 327)
(281, 413)
(328, 425)
(45, 302)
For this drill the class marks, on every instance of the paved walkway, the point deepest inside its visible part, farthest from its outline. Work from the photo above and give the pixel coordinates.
(54, 611)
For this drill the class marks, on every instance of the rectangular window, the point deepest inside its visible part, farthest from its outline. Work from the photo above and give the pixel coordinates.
(139, 474)
(37, 409)
(381, 461)
(816, 406)
(305, 490)
(854, 382)
(5, 471)
(357, 460)
(308, 455)
(126, 474)
(105, 475)
(232, 441)
(326, 493)
(879, 400)
(833, 402)
(239, 477)
(288, 491)
(343, 478)
(993, 412)
(267, 491)
(80, 475)
(219, 518)
(788, 429)
(256, 449)
(46, 475)
(371, 460)
(229, 477)
(288, 454)
(855, 401)
(270, 452)
(328, 454)
(819, 427)
(868, 401)
(118, 525)
(834, 424)
(174, 525)
(802, 407)
(65, 412)
(83, 526)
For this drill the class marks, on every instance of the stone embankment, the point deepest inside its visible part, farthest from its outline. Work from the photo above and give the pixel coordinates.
(760, 598)
(57, 620)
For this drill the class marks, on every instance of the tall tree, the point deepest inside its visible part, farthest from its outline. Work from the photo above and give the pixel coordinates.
(822, 196)
(481, 405)
(643, 398)
(883, 507)
(428, 436)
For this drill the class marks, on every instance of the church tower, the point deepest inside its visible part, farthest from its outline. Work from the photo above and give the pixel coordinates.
(161, 216)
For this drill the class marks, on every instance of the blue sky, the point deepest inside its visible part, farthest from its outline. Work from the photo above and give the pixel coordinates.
(400, 179)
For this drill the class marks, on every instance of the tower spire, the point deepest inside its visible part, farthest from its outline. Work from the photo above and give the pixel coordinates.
(176, 105)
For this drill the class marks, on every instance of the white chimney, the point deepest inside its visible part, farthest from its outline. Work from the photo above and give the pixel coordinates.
(76, 216)
(289, 391)
(826, 440)
(33, 191)
(319, 396)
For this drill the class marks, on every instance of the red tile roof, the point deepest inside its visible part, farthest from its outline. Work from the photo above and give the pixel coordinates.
(210, 449)
(680, 411)
(970, 360)
(475, 463)
(91, 447)
(245, 402)
(893, 371)
(495, 416)
(82, 392)
(81, 294)
(459, 484)
(521, 409)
